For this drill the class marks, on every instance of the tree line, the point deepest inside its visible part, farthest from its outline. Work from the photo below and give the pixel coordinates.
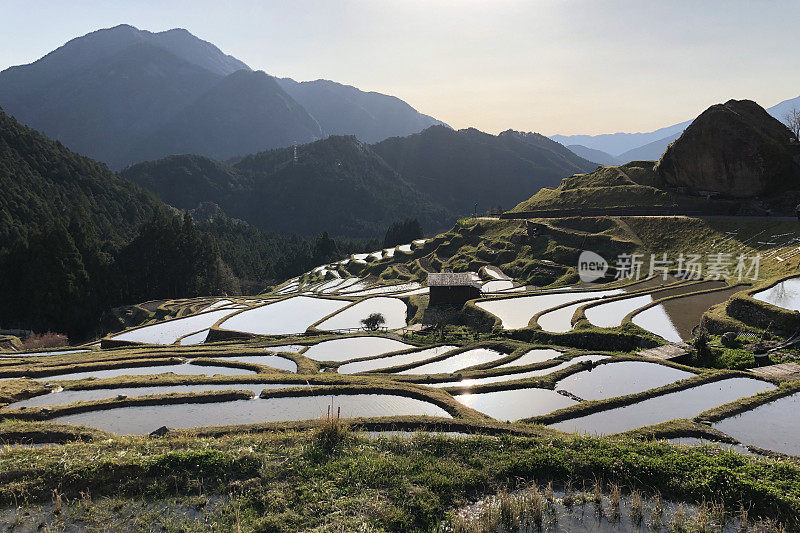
(63, 278)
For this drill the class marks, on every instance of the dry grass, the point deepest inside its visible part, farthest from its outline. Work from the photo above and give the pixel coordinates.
(40, 341)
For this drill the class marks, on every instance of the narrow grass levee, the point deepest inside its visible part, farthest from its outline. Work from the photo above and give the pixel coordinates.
(48, 413)
(749, 403)
(26, 433)
(680, 427)
(595, 406)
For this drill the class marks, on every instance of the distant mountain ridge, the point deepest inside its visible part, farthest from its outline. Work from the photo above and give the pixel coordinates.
(649, 146)
(343, 185)
(123, 95)
(346, 110)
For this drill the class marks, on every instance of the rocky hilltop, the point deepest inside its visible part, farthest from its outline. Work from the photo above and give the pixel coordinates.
(736, 149)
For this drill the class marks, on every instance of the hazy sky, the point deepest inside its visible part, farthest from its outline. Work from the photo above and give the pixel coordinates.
(583, 66)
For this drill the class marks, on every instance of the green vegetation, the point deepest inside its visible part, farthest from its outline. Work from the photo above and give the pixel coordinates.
(336, 480)
(402, 232)
(338, 183)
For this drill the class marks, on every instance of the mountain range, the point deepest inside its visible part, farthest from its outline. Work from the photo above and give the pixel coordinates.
(123, 95)
(348, 187)
(620, 148)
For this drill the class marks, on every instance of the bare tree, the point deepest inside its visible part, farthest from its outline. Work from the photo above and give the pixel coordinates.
(792, 120)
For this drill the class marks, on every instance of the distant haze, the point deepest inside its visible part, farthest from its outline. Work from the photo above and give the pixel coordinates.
(549, 66)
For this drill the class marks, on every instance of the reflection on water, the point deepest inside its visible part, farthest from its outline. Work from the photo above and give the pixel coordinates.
(457, 362)
(532, 356)
(392, 309)
(674, 319)
(774, 426)
(656, 320)
(620, 379)
(610, 315)
(517, 312)
(470, 382)
(291, 316)
(785, 294)
(515, 404)
(170, 331)
(682, 404)
(142, 420)
(274, 361)
(185, 368)
(394, 360)
(353, 348)
(63, 397)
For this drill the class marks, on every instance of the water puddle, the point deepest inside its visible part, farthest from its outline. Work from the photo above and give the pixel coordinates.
(619, 379)
(143, 420)
(682, 404)
(694, 441)
(291, 316)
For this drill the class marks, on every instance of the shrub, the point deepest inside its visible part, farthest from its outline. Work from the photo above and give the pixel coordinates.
(734, 359)
(373, 321)
(38, 341)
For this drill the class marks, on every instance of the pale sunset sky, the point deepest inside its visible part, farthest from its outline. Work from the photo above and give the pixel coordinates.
(551, 66)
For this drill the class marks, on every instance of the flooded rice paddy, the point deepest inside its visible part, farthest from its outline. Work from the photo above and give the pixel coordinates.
(774, 426)
(516, 404)
(392, 309)
(610, 315)
(533, 356)
(619, 379)
(515, 313)
(182, 369)
(354, 348)
(454, 363)
(194, 338)
(143, 420)
(63, 397)
(785, 294)
(170, 331)
(471, 382)
(560, 320)
(274, 361)
(674, 319)
(394, 360)
(42, 354)
(682, 404)
(291, 316)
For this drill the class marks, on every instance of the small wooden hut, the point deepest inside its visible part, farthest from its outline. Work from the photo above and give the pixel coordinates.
(453, 288)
